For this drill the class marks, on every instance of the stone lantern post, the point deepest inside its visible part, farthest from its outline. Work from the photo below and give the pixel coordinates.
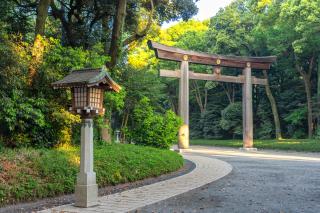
(87, 88)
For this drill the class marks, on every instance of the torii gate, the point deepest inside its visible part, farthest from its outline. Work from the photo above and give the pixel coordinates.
(186, 56)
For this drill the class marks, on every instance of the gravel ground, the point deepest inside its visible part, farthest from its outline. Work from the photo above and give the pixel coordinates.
(256, 184)
(67, 199)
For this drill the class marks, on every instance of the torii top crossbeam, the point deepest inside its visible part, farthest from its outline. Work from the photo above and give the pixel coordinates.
(177, 54)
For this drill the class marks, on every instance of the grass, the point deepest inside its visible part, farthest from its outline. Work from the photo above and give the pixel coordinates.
(28, 174)
(303, 145)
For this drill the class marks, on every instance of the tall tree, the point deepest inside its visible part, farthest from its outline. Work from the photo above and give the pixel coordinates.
(38, 47)
(117, 29)
(305, 42)
(274, 107)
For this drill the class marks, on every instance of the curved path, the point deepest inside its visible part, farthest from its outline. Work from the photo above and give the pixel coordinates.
(262, 181)
(207, 170)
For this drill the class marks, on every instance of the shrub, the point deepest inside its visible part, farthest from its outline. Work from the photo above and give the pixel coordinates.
(153, 129)
(231, 118)
(35, 115)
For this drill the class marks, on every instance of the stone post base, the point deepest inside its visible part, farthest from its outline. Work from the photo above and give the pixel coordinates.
(183, 142)
(248, 149)
(86, 195)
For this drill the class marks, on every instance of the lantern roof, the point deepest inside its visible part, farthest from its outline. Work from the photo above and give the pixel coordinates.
(88, 77)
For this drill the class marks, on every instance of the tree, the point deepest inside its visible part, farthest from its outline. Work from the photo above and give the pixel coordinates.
(273, 107)
(305, 42)
(234, 31)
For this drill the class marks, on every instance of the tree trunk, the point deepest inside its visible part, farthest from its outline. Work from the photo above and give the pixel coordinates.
(202, 105)
(306, 75)
(38, 47)
(106, 34)
(106, 130)
(230, 94)
(42, 14)
(138, 35)
(318, 96)
(118, 23)
(307, 83)
(273, 107)
(114, 51)
(124, 124)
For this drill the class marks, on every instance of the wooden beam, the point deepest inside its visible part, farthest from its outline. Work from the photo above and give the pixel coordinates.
(170, 73)
(212, 77)
(177, 54)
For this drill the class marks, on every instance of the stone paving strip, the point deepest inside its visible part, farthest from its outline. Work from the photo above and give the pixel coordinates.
(207, 170)
(259, 154)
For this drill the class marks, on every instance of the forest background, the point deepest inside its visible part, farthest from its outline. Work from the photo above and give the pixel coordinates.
(43, 40)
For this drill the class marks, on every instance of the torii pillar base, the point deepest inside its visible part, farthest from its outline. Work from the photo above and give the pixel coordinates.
(183, 142)
(248, 149)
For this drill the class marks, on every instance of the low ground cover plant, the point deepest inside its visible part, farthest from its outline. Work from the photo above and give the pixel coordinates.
(27, 174)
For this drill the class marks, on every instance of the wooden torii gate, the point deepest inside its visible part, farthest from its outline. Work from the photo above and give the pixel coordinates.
(218, 61)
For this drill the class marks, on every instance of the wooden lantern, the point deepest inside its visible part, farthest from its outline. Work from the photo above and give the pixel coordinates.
(87, 89)
(87, 100)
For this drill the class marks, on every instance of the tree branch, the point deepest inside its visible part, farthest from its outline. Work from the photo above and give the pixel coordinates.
(138, 35)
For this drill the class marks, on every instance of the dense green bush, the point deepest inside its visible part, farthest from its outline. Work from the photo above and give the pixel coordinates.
(36, 115)
(231, 118)
(27, 174)
(153, 129)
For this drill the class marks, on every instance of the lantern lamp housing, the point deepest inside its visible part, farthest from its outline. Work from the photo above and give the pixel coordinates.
(87, 89)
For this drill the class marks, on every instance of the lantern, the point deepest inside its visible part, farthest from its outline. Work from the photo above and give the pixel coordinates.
(87, 88)
(89, 99)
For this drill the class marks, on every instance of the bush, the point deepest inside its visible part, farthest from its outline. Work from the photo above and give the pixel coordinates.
(153, 129)
(35, 115)
(231, 118)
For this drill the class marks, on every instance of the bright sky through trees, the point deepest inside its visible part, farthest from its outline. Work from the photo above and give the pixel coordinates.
(207, 9)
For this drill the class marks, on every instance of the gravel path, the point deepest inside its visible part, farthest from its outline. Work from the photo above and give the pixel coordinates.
(266, 181)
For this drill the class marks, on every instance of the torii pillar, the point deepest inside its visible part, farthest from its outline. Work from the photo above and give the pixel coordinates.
(247, 108)
(183, 142)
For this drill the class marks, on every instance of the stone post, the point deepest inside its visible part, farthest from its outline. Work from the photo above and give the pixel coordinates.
(247, 108)
(184, 104)
(86, 192)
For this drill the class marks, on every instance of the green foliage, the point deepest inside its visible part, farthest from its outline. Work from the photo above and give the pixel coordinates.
(231, 118)
(29, 174)
(295, 121)
(67, 58)
(296, 116)
(153, 129)
(36, 116)
(264, 127)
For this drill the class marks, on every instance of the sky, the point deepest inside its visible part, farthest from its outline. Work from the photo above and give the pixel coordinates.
(207, 9)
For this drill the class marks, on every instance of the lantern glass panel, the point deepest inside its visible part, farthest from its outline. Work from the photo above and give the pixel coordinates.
(80, 96)
(95, 98)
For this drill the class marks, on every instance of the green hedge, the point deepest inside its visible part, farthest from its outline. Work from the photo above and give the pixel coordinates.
(27, 174)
